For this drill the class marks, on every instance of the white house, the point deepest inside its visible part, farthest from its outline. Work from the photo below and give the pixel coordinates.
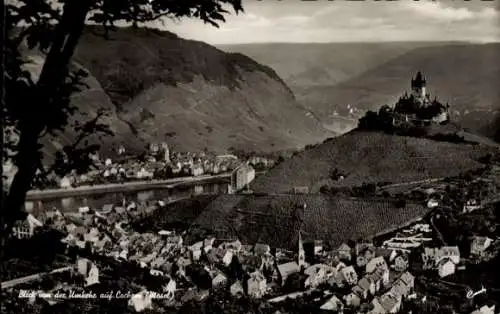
(353, 300)
(479, 245)
(236, 289)
(390, 303)
(485, 310)
(26, 228)
(256, 285)
(320, 273)
(446, 267)
(141, 301)
(451, 252)
(333, 304)
(227, 258)
(219, 280)
(375, 263)
(88, 270)
(401, 263)
(284, 270)
(208, 244)
(432, 203)
(196, 250)
(65, 182)
(344, 252)
(349, 275)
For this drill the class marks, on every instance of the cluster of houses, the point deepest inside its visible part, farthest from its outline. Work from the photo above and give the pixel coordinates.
(159, 164)
(361, 276)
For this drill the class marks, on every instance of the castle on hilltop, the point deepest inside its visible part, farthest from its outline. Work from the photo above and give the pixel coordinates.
(418, 108)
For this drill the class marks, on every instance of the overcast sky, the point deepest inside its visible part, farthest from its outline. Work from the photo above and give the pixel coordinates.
(343, 21)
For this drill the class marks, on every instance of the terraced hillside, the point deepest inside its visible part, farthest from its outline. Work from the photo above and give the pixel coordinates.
(177, 216)
(371, 157)
(277, 219)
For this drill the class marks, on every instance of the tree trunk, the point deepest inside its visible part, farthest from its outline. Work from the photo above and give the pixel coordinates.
(54, 73)
(3, 35)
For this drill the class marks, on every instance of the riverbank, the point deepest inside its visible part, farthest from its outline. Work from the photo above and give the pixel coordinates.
(124, 187)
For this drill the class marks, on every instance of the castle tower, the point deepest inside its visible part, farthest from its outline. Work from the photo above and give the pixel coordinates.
(302, 254)
(418, 86)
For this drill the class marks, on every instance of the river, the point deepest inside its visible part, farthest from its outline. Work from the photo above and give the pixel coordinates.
(97, 201)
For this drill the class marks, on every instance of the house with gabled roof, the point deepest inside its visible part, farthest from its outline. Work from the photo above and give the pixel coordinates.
(376, 263)
(485, 309)
(262, 249)
(446, 267)
(349, 275)
(403, 286)
(26, 229)
(362, 288)
(353, 300)
(282, 271)
(479, 245)
(236, 289)
(390, 303)
(377, 307)
(256, 285)
(219, 280)
(317, 274)
(88, 270)
(333, 304)
(344, 252)
(451, 252)
(401, 263)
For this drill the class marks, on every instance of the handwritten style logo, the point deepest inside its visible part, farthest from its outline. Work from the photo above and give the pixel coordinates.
(471, 294)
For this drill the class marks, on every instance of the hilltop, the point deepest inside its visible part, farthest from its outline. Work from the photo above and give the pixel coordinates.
(193, 95)
(371, 157)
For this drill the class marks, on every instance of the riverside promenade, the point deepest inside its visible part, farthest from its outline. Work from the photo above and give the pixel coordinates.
(124, 187)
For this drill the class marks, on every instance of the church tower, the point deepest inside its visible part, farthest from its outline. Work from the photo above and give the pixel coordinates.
(302, 254)
(167, 153)
(418, 86)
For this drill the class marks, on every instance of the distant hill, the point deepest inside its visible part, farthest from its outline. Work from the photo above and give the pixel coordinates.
(309, 64)
(370, 157)
(193, 95)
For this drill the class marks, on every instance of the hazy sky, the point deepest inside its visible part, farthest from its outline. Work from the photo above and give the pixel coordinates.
(341, 21)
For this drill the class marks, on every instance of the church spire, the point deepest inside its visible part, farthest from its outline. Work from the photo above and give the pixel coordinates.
(302, 255)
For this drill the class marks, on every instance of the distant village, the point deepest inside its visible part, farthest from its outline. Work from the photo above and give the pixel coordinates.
(159, 163)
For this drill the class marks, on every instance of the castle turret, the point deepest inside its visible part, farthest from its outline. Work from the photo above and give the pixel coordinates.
(418, 86)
